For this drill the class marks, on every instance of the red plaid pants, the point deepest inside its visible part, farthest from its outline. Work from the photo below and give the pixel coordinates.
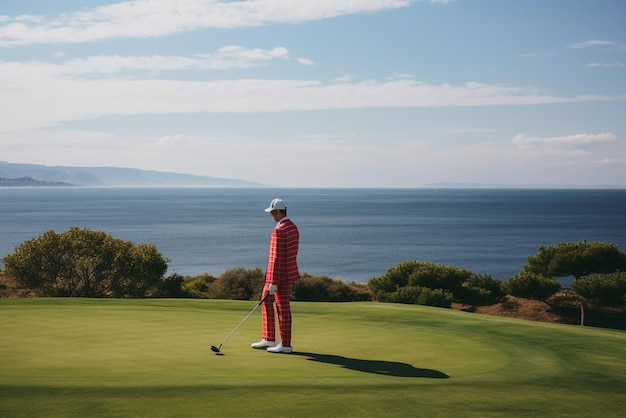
(283, 308)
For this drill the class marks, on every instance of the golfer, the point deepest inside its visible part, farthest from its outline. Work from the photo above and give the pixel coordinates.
(281, 273)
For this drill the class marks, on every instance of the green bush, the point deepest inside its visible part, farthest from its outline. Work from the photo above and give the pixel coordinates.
(576, 259)
(419, 273)
(197, 286)
(171, 287)
(325, 289)
(407, 281)
(480, 289)
(531, 286)
(418, 295)
(360, 291)
(603, 289)
(238, 283)
(84, 263)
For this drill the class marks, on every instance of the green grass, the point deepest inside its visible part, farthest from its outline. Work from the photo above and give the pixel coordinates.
(151, 358)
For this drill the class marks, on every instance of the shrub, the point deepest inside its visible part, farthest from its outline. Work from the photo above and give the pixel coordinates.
(360, 291)
(406, 282)
(481, 289)
(531, 286)
(198, 286)
(171, 287)
(81, 262)
(576, 259)
(418, 295)
(238, 283)
(419, 273)
(603, 289)
(325, 289)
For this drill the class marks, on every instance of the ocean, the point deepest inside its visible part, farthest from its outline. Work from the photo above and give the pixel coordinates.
(351, 234)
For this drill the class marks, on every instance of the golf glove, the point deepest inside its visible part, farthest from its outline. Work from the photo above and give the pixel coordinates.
(272, 289)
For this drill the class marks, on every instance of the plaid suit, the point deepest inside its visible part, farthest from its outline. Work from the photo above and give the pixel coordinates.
(282, 270)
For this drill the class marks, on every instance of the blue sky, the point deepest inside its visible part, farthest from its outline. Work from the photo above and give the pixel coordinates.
(325, 93)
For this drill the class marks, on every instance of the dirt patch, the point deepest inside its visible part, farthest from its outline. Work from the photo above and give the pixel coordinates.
(513, 307)
(559, 309)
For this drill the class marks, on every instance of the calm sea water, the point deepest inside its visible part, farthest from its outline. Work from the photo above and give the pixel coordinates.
(352, 234)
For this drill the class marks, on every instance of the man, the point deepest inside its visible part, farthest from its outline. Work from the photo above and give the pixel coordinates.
(281, 273)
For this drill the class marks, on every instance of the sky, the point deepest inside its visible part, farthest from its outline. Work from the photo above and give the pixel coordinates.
(324, 93)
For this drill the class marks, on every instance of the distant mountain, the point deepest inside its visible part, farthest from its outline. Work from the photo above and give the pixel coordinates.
(27, 181)
(114, 177)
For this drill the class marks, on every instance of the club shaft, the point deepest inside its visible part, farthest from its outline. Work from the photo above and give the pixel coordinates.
(244, 320)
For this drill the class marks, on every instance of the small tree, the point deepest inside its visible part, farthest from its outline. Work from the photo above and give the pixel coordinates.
(531, 286)
(198, 286)
(238, 283)
(81, 262)
(419, 273)
(406, 283)
(576, 259)
(603, 289)
(419, 295)
(325, 289)
(481, 289)
(171, 287)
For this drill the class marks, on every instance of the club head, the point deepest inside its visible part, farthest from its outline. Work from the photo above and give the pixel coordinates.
(215, 349)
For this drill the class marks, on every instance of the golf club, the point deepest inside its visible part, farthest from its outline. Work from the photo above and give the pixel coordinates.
(217, 349)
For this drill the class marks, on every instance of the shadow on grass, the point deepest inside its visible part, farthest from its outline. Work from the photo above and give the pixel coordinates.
(386, 368)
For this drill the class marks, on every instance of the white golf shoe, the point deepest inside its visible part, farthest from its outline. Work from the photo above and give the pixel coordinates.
(279, 349)
(264, 344)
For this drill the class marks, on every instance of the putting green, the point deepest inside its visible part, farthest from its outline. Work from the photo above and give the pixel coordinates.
(88, 357)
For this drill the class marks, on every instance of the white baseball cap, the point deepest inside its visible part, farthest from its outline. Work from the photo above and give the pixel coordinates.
(276, 204)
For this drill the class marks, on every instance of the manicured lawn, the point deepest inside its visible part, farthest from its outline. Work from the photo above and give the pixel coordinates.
(150, 358)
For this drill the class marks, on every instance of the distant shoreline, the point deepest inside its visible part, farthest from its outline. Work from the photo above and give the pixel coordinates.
(31, 182)
(109, 177)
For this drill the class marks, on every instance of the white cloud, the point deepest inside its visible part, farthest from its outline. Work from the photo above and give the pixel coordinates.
(400, 76)
(606, 45)
(305, 61)
(254, 54)
(343, 79)
(591, 44)
(36, 94)
(154, 18)
(587, 147)
(522, 140)
(611, 161)
(610, 65)
(225, 58)
(581, 139)
(29, 18)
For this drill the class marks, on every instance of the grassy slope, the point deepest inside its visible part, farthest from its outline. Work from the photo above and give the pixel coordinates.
(77, 357)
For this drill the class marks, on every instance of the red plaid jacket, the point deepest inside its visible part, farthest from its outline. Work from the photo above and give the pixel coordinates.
(282, 264)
